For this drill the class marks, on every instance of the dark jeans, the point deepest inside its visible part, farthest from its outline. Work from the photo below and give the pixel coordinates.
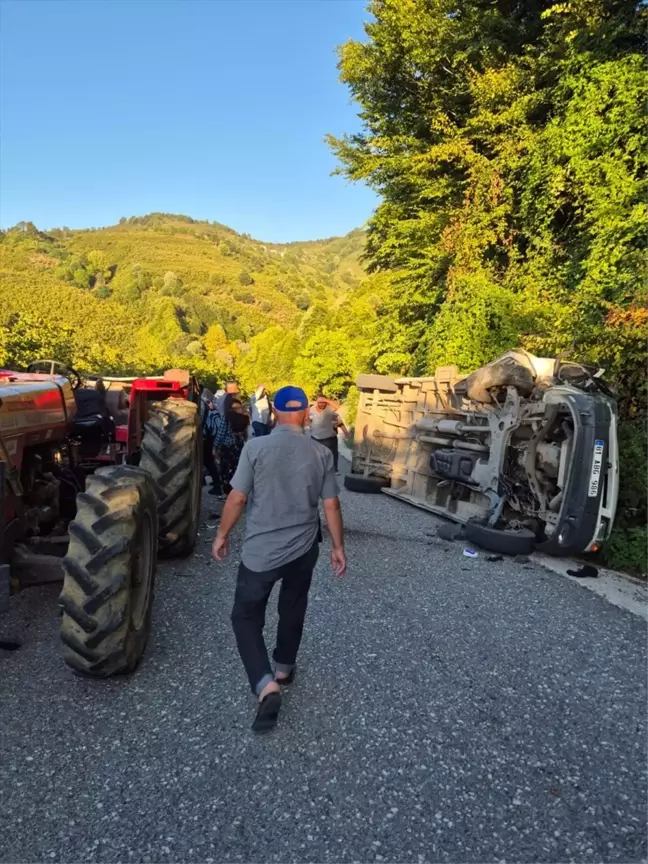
(210, 463)
(332, 444)
(229, 459)
(248, 615)
(260, 429)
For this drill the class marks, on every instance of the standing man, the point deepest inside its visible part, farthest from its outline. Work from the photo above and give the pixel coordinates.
(231, 389)
(260, 407)
(206, 409)
(282, 478)
(324, 423)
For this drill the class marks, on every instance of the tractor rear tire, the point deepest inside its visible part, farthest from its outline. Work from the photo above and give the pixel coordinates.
(172, 455)
(109, 569)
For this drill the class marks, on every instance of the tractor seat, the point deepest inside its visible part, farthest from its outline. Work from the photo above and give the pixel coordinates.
(89, 422)
(92, 413)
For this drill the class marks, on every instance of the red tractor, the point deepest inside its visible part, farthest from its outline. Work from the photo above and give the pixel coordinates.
(92, 483)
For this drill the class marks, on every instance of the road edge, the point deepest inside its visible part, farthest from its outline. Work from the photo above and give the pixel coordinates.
(617, 588)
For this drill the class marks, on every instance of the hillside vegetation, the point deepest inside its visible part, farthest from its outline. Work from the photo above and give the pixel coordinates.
(163, 290)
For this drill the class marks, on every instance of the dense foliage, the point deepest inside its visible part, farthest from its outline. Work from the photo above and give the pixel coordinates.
(160, 291)
(508, 143)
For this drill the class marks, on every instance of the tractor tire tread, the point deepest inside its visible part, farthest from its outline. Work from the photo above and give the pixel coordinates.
(172, 456)
(97, 630)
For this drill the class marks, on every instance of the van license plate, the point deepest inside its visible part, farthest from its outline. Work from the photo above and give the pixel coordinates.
(595, 476)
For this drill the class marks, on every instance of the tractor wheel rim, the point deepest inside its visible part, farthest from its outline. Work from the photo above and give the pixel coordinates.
(141, 573)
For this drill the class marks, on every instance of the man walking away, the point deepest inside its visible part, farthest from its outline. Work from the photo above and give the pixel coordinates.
(260, 406)
(324, 423)
(282, 477)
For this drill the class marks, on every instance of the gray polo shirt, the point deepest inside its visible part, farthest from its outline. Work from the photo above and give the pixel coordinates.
(284, 475)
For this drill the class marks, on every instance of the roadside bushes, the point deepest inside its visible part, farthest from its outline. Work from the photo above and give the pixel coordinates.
(628, 545)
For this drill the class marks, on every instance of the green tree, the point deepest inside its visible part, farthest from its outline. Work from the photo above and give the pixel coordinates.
(270, 359)
(214, 341)
(172, 285)
(25, 338)
(505, 144)
(325, 364)
(97, 264)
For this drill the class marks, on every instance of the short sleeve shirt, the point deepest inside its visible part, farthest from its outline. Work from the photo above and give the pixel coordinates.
(284, 475)
(324, 423)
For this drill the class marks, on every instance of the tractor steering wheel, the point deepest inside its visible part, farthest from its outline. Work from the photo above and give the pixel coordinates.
(53, 367)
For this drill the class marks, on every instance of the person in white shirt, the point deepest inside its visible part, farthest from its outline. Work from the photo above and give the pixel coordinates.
(261, 411)
(324, 425)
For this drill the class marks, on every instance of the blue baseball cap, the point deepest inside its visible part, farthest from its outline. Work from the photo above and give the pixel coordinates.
(290, 399)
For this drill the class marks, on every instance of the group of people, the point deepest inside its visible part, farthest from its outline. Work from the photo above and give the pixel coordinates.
(228, 424)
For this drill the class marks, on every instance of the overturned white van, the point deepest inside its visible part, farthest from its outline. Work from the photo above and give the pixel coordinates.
(523, 451)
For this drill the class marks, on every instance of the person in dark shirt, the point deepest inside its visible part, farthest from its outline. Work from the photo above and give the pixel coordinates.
(209, 460)
(229, 431)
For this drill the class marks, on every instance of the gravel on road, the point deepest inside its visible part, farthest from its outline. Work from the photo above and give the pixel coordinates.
(445, 709)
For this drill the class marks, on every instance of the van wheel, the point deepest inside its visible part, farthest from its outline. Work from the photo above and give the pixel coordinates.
(506, 541)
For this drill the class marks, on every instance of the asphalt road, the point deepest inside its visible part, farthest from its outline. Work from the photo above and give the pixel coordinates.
(446, 709)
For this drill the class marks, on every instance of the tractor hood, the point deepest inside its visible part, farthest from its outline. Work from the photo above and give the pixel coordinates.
(34, 408)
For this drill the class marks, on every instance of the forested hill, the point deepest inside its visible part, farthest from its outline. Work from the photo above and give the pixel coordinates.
(162, 290)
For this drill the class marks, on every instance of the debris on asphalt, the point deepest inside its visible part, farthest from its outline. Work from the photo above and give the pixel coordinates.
(587, 571)
(435, 541)
(521, 559)
(493, 558)
(9, 645)
(449, 532)
(469, 553)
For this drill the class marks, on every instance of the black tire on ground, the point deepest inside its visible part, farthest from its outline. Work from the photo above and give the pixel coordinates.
(358, 483)
(172, 455)
(377, 382)
(506, 542)
(109, 570)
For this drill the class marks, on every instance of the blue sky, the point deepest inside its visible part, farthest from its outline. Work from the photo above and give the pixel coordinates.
(210, 108)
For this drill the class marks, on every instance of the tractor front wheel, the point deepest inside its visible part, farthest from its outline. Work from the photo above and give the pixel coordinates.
(109, 570)
(172, 456)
